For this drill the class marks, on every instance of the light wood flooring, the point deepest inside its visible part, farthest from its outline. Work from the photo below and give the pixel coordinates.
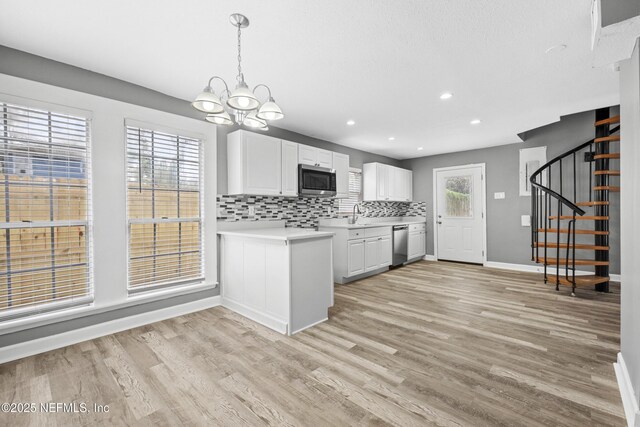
(431, 343)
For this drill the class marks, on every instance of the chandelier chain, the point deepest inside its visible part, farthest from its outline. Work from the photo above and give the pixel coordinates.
(239, 78)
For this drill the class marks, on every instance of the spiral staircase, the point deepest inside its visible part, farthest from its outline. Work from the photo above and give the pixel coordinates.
(570, 200)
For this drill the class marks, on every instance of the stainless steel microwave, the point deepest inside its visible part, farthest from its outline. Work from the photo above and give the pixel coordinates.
(316, 181)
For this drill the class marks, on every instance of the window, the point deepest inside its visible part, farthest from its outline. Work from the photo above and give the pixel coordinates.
(355, 192)
(45, 255)
(164, 209)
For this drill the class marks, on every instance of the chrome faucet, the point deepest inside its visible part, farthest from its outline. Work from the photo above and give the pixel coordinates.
(356, 207)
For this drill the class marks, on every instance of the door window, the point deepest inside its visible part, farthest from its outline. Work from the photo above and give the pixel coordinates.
(459, 196)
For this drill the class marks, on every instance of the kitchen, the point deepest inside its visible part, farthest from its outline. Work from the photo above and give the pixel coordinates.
(286, 214)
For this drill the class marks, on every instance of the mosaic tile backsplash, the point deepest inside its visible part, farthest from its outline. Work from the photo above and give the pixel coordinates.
(304, 212)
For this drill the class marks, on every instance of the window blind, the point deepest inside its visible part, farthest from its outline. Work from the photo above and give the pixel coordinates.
(355, 192)
(45, 251)
(164, 209)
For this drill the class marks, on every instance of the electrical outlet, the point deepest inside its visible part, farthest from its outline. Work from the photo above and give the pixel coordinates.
(329, 211)
(252, 210)
(220, 212)
(525, 220)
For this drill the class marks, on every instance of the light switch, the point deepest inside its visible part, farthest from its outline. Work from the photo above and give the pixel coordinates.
(499, 195)
(525, 220)
(252, 210)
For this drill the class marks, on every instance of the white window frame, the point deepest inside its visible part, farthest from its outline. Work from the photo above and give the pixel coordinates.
(37, 311)
(341, 211)
(159, 288)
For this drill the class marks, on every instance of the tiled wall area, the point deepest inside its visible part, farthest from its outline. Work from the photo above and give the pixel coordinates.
(304, 211)
(384, 209)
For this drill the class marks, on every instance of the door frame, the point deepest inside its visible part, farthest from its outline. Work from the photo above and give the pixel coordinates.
(483, 186)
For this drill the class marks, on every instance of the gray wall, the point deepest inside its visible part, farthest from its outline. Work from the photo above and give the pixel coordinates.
(356, 157)
(630, 159)
(25, 65)
(507, 240)
(614, 11)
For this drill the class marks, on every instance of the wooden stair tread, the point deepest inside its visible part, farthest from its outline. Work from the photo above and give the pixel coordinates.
(593, 203)
(613, 188)
(609, 121)
(584, 217)
(563, 261)
(564, 246)
(565, 231)
(611, 138)
(606, 172)
(586, 280)
(607, 156)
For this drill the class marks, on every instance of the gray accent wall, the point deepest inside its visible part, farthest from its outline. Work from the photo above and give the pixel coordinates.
(630, 158)
(614, 11)
(356, 157)
(507, 240)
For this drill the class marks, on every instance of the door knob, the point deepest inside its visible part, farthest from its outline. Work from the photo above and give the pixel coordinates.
(439, 222)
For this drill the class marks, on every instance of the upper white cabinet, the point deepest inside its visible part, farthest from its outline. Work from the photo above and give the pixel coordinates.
(387, 183)
(313, 156)
(341, 166)
(259, 164)
(254, 164)
(289, 168)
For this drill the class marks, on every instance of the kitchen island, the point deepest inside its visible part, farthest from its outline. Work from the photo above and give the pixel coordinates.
(279, 277)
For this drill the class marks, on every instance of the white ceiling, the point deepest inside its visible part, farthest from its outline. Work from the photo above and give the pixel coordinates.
(381, 63)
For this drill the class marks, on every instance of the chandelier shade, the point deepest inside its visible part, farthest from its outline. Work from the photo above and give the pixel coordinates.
(208, 102)
(242, 98)
(241, 103)
(270, 111)
(221, 118)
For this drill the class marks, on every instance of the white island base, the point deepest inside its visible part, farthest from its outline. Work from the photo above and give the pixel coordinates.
(279, 277)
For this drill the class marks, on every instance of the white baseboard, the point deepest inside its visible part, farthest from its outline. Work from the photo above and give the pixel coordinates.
(539, 269)
(430, 258)
(41, 345)
(629, 401)
(268, 321)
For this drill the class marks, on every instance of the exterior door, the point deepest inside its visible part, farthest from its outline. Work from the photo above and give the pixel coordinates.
(459, 215)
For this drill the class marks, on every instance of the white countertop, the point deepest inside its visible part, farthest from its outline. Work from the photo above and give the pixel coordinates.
(278, 233)
(344, 224)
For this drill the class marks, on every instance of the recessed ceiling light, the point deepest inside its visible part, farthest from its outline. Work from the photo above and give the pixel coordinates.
(446, 95)
(392, 138)
(420, 148)
(475, 122)
(556, 48)
(351, 123)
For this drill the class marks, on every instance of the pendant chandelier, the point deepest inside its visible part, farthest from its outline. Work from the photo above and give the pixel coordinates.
(242, 102)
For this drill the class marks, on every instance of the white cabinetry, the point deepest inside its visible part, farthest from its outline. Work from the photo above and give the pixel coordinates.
(259, 164)
(355, 257)
(313, 156)
(417, 241)
(387, 183)
(341, 166)
(254, 164)
(290, 168)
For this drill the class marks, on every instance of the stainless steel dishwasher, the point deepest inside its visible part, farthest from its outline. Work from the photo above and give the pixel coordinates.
(400, 243)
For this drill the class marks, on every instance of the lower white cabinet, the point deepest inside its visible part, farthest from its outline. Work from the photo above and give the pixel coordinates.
(417, 244)
(366, 250)
(371, 254)
(355, 257)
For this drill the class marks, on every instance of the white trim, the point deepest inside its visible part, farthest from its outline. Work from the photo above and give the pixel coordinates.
(482, 166)
(309, 326)
(28, 322)
(539, 269)
(43, 105)
(429, 258)
(629, 402)
(162, 129)
(41, 345)
(271, 322)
